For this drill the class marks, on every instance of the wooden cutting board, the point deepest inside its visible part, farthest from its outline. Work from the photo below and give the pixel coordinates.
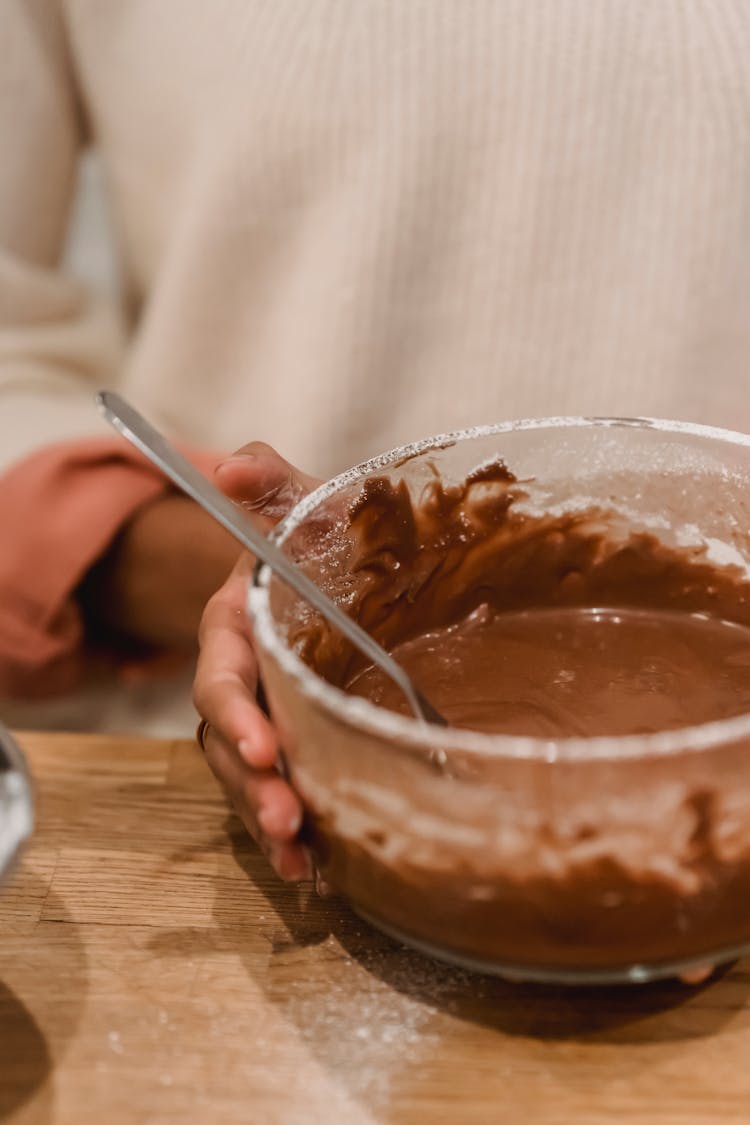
(153, 970)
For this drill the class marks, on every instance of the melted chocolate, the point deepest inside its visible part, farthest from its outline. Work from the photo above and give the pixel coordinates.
(562, 673)
(417, 568)
(490, 605)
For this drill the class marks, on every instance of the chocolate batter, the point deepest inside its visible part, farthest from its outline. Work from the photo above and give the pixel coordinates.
(486, 601)
(566, 672)
(551, 624)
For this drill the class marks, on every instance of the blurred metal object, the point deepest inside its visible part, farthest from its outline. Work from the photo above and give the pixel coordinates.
(16, 802)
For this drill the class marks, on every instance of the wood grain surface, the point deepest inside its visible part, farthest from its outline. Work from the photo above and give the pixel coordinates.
(153, 970)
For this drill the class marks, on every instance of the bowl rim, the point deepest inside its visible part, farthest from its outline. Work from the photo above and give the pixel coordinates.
(407, 731)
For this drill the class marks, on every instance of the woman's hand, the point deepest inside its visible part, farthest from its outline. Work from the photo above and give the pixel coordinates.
(240, 741)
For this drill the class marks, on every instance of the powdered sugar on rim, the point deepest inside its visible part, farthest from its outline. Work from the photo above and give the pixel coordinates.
(409, 732)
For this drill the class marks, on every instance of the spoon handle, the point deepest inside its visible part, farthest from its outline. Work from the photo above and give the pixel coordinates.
(133, 426)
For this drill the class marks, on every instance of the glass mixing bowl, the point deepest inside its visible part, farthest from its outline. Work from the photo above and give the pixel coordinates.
(591, 860)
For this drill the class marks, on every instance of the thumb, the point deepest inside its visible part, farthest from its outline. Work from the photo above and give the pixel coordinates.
(260, 479)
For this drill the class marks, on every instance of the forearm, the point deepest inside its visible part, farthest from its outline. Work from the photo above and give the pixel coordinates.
(152, 584)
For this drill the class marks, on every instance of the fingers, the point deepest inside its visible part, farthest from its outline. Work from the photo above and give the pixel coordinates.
(266, 805)
(266, 801)
(240, 742)
(261, 480)
(226, 677)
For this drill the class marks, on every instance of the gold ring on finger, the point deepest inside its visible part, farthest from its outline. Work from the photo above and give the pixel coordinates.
(200, 734)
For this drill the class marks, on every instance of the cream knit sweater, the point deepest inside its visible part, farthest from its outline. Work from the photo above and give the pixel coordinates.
(345, 224)
(348, 223)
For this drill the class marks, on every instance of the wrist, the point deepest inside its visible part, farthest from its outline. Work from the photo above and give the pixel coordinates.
(150, 587)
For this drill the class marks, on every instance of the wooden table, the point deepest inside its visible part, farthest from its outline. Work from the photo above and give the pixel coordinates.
(152, 970)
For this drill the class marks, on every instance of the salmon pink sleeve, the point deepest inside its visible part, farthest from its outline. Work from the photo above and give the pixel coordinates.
(60, 508)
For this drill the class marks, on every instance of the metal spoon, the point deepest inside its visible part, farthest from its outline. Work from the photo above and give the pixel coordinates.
(132, 425)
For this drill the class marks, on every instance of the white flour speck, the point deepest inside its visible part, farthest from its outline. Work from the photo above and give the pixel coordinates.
(371, 1019)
